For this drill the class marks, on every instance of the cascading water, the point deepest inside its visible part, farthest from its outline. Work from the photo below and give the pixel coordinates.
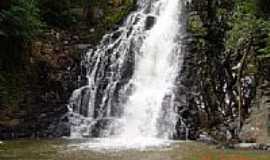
(131, 77)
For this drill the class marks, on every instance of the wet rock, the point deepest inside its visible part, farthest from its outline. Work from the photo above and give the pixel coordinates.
(101, 127)
(116, 35)
(149, 23)
(59, 130)
(80, 100)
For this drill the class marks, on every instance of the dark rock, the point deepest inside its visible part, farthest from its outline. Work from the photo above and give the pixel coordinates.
(80, 101)
(116, 35)
(149, 23)
(59, 130)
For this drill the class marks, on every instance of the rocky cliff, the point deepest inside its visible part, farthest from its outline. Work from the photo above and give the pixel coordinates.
(37, 78)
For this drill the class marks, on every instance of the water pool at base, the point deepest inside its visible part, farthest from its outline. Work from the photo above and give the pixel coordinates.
(97, 149)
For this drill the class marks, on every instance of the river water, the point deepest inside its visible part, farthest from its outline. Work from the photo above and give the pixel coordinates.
(87, 149)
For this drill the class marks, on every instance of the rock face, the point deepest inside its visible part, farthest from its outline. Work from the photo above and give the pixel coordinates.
(257, 127)
(53, 75)
(49, 72)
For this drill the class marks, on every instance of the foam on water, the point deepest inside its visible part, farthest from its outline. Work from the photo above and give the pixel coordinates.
(118, 144)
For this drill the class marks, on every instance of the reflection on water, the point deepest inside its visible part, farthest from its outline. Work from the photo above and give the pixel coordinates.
(105, 149)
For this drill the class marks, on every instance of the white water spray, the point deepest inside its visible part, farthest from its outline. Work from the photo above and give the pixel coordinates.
(155, 73)
(131, 75)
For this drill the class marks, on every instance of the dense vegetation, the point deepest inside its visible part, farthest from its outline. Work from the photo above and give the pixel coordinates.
(231, 42)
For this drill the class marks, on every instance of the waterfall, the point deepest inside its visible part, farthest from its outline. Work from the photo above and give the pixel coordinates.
(131, 76)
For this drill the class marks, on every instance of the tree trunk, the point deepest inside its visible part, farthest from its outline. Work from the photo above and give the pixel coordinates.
(239, 86)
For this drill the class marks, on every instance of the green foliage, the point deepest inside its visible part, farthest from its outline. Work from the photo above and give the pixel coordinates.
(19, 24)
(245, 7)
(114, 16)
(21, 20)
(243, 24)
(195, 25)
(103, 14)
(247, 25)
(112, 11)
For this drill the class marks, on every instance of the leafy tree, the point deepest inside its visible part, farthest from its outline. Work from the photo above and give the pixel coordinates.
(21, 20)
(19, 23)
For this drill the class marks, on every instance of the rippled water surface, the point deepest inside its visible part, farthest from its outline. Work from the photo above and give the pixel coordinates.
(99, 149)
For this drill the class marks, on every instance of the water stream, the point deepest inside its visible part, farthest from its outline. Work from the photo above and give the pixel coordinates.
(129, 98)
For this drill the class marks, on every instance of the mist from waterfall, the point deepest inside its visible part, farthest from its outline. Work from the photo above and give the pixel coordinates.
(131, 77)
